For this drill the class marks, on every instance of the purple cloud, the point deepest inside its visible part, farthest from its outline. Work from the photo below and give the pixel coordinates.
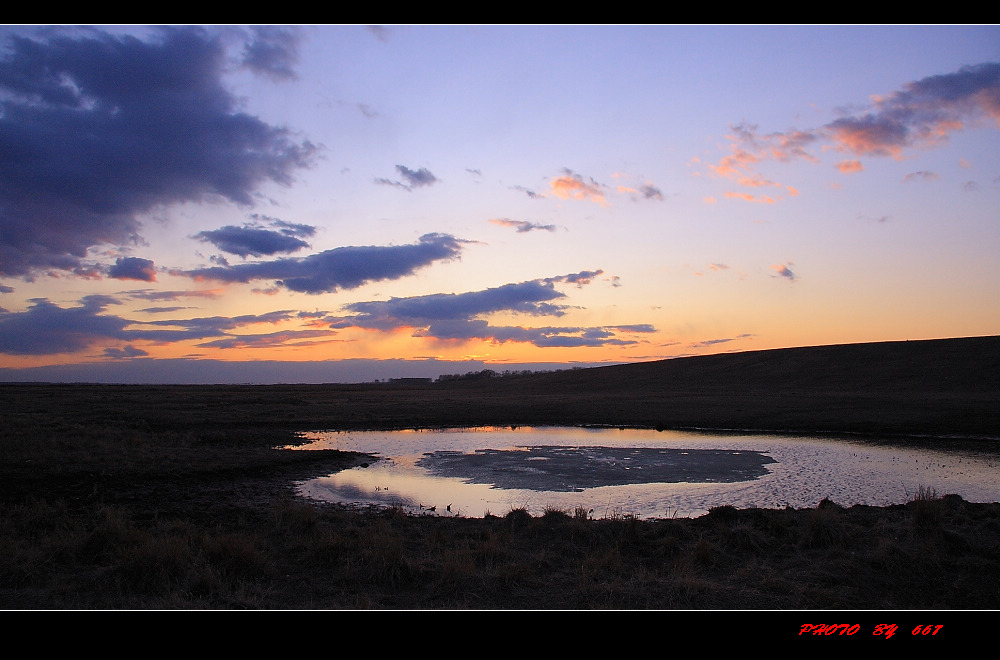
(339, 268)
(96, 129)
(272, 51)
(455, 316)
(414, 178)
(133, 268)
(254, 240)
(522, 226)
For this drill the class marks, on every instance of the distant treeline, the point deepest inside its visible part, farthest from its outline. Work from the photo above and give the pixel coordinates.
(487, 374)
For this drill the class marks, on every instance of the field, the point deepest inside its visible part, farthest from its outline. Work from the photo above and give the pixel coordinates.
(163, 497)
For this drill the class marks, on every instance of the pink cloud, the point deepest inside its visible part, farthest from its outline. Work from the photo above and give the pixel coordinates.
(850, 166)
(572, 186)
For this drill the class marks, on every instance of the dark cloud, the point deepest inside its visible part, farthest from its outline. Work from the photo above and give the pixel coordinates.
(579, 279)
(273, 339)
(637, 327)
(455, 316)
(206, 326)
(922, 112)
(649, 191)
(726, 340)
(150, 294)
(414, 178)
(252, 239)
(531, 298)
(543, 337)
(522, 226)
(161, 310)
(340, 268)
(530, 193)
(133, 268)
(47, 329)
(124, 352)
(272, 51)
(6, 289)
(96, 129)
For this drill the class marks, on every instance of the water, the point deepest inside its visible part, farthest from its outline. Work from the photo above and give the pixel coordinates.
(644, 473)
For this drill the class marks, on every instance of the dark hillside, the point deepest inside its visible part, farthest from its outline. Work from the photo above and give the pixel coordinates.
(947, 386)
(941, 365)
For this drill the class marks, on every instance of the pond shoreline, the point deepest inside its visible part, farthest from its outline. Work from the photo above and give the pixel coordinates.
(640, 472)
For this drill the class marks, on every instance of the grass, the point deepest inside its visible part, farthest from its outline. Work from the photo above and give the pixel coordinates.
(135, 497)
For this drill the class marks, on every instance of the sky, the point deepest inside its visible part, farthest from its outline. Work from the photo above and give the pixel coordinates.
(347, 203)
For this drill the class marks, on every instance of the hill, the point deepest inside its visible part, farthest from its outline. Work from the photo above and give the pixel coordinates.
(945, 386)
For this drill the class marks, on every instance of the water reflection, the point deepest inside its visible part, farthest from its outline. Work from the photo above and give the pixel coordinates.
(639, 472)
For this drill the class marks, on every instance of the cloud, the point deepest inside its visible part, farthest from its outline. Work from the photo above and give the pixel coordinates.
(640, 190)
(456, 317)
(380, 32)
(96, 129)
(579, 279)
(521, 226)
(252, 239)
(272, 51)
(573, 186)
(125, 352)
(922, 175)
(922, 113)
(850, 166)
(649, 191)
(414, 178)
(46, 329)
(133, 268)
(339, 268)
(530, 193)
(271, 340)
(162, 310)
(784, 271)
(153, 295)
(637, 327)
(761, 199)
(532, 298)
(712, 342)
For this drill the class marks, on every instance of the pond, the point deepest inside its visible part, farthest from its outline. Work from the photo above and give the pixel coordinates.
(608, 472)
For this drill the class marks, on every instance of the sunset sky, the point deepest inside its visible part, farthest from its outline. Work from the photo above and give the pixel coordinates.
(344, 203)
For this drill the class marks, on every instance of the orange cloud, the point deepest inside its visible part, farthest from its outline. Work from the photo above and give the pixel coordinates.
(921, 113)
(572, 186)
(850, 166)
(763, 199)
